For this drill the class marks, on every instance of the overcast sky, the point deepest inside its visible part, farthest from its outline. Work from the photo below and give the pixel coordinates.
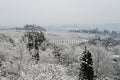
(49, 12)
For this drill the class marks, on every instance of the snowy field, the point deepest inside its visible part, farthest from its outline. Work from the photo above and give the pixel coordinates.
(53, 36)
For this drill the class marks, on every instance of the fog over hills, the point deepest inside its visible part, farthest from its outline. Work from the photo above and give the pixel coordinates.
(110, 27)
(59, 39)
(115, 27)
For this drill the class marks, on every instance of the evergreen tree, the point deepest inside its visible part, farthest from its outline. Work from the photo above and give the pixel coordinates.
(86, 66)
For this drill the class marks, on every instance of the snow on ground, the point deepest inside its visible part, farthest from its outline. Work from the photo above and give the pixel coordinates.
(47, 69)
(53, 36)
(67, 35)
(14, 34)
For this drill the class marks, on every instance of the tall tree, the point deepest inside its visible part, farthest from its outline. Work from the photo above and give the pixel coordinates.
(34, 41)
(86, 66)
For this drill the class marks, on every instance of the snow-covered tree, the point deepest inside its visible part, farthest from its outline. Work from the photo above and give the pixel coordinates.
(102, 62)
(86, 66)
(34, 41)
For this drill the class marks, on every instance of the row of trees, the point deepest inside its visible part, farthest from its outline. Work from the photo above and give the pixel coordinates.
(95, 31)
(32, 27)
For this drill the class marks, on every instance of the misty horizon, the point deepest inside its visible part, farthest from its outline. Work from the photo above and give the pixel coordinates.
(57, 12)
(111, 27)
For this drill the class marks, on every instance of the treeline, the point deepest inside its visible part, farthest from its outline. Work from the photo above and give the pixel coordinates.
(95, 31)
(32, 27)
(108, 43)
